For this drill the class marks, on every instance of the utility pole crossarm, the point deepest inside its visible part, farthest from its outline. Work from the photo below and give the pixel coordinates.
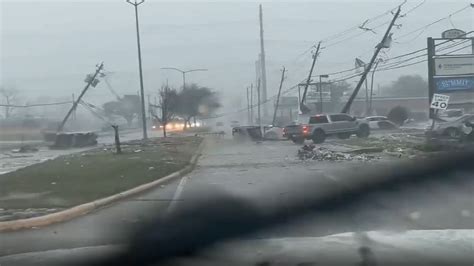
(379, 47)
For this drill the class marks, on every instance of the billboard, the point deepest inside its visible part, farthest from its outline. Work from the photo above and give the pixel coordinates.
(452, 84)
(447, 66)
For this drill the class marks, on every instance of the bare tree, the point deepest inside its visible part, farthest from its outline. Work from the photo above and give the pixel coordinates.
(167, 103)
(9, 96)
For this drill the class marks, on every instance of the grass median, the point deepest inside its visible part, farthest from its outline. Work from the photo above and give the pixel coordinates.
(83, 177)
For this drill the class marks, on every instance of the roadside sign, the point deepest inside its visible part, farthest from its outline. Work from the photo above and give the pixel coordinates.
(453, 33)
(453, 84)
(440, 101)
(446, 66)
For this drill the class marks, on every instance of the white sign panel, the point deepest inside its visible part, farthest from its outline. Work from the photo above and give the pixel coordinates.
(453, 33)
(446, 66)
(440, 101)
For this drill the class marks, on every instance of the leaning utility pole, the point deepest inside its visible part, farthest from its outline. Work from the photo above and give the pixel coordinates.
(379, 47)
(278, 97)
(303, 108)
(90, 81)
(262, 64)
(142, 91)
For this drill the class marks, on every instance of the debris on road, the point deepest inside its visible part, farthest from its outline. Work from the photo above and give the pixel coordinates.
(324, 154)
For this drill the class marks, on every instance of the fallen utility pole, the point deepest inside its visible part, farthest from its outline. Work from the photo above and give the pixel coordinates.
(78, 100)
(379, 47)
(278, 97)
(303, 108)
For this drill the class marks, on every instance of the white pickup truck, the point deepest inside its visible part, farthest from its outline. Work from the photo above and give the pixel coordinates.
(322, 125)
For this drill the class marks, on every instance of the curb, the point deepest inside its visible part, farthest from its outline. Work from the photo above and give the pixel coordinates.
(85, 208)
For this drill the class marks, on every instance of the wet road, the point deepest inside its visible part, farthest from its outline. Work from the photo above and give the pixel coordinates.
(261, 172)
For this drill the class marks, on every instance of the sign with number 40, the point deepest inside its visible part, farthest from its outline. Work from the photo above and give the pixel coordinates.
(440, 101)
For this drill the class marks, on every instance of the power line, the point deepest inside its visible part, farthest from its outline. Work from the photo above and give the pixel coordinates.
(355, 27)
(34, 105)
(425, 54)
(413, 9)
(459, 49)
(406, 54)
(432, 23)
(355, 36)
(89, 107)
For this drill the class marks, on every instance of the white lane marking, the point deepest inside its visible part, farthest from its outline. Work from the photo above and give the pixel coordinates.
(177, 194)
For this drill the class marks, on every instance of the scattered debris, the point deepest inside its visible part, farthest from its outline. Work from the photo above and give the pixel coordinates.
(324, 154)
(151, 168)
(137, 151)
(25, 149)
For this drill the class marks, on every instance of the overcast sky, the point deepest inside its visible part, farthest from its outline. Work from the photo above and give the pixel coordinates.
(47, 47)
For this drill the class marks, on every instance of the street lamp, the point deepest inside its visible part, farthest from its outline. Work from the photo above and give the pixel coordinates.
(321, 90)
(142, 91)
(184, 72)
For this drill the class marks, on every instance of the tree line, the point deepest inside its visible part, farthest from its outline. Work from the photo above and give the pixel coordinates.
(190, 102)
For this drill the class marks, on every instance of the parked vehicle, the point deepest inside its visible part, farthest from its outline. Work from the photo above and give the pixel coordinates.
(273, 133)
(455, 128)
(323, 125)
(234, 123)
(247, 133)
(380, 122)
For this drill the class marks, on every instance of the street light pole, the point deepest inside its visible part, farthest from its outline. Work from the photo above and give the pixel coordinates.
(183, 72)
(142, 90)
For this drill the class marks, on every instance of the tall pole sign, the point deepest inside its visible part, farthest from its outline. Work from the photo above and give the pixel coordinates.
(449, 73)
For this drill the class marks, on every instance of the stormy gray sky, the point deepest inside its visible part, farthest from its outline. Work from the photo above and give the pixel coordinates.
(47, 47)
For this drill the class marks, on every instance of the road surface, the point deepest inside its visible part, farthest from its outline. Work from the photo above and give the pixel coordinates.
(259, 172)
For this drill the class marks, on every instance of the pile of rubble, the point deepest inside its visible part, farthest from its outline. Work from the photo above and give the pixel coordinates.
(324, 154)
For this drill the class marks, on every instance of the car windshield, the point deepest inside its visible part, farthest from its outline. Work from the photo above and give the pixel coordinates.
(239, 132)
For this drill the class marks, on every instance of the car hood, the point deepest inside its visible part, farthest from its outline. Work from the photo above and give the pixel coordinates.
(414, 247)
